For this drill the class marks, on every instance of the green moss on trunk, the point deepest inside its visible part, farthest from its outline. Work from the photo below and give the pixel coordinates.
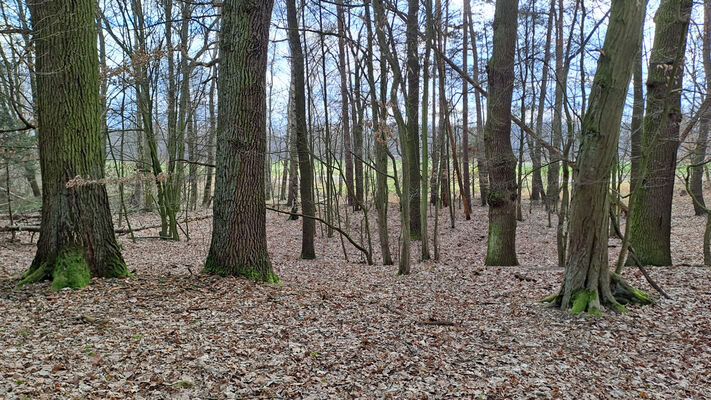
(70, 270)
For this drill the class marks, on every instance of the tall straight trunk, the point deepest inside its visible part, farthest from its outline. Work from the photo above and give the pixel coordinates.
(434, 177)
(466, 192)
(145, 107)
(587, 282)
(176, 138)
(327, 130)
(411, 143)
(429, 34)
(537, 181)
(501, 245)
(553, 191)
(239, 240)
(412, 111)
(193, 158)
(650, 205)
(705, 122)
(302, 144)
(637, 120)
(293, 153)
(380, 138)
(345, 121)
(77, 239)
(212, 132)
(481, 161)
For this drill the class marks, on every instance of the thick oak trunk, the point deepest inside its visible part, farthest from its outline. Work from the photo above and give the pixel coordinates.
(239, 240)
(76, 239)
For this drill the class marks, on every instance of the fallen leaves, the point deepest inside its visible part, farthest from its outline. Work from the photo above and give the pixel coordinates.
(336, 329)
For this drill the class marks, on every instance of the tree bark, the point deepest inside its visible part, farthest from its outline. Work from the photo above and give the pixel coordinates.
(345, 121)
(305, 165)
(76, 240)
(412, 146)
(239, 241)
(379, 128)
(587, 284)
(467, 192)
(501, 245)
(705, 122)
(650, 205)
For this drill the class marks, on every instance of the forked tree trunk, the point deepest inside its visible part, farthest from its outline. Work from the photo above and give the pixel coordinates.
(77, 239)
(650, 204)
(587, 283)
(501, 245)
(239, 240)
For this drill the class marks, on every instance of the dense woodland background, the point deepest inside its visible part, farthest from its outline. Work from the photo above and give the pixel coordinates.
(489, 153)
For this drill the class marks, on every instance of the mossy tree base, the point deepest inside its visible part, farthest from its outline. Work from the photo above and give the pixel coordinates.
(585, 300)
(68, 269)
(260, 270)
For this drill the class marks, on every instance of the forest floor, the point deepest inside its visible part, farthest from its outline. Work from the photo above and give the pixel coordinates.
(343, 329)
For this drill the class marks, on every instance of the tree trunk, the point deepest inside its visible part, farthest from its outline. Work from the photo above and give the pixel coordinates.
(650, 205)
(501, 245)
(76, 234)
(467, 192)
(587, 284)
(481, 161)
(380, 137)
(412, 146)
(239, 241)
(637, 119)
(345, 121)
(305, 165)
(207, 192)
(705, 122)
(537, 181)
(561, 73)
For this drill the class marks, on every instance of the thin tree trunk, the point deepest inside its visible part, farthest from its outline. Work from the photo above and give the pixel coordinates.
(380, 137)
(705, 122)
(207, 193)
(305, 164)
(466, 189)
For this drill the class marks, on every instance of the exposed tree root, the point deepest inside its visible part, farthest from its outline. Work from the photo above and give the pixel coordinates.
(584, 300)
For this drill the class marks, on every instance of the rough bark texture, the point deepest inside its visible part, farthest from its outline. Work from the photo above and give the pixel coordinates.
(705, 122)
(637, 119)
(76, 235)
(587, 284)
(302, 145)
(413, 110)
(501, 245)
(650, 205)
(239, 240)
